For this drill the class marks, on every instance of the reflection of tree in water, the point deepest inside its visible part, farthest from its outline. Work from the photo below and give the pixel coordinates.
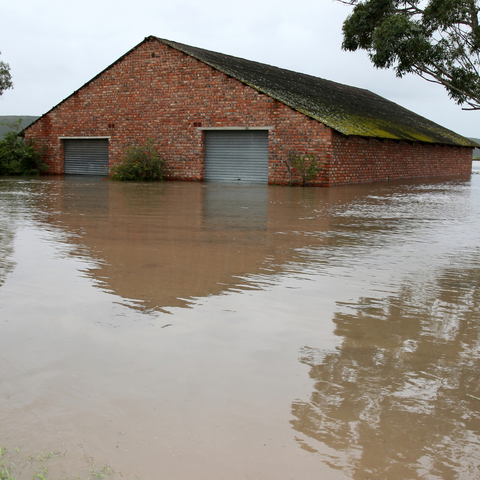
(22, 200)
(11, 203)
(7, 237)
(393, 400)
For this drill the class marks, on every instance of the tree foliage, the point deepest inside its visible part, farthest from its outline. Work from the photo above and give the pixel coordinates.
(19, 156)
(5, 77)
(439, 40)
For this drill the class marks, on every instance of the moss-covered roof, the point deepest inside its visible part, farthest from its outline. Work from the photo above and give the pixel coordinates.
(346, 109)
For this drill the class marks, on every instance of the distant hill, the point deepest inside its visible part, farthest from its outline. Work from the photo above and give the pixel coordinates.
(26, 120)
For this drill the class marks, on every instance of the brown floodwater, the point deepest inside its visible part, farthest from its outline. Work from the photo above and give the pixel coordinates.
(216, 332)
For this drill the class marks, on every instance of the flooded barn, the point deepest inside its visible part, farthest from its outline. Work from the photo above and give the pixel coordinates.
(219, 118)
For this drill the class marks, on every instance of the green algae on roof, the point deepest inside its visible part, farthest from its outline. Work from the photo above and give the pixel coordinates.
(348, 110)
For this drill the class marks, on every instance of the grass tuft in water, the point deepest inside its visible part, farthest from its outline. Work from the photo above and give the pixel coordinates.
(13, 465)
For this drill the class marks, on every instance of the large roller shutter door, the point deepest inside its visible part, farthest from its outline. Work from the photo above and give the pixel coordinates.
(86, 157)
(236, 156)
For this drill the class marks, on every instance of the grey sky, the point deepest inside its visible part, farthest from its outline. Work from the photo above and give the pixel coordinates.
(55, 46)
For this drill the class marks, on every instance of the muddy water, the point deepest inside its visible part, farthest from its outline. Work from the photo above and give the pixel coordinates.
(180, 331)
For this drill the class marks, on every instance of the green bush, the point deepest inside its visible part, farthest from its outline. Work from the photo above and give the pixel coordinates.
(19, 156)
(139, 163)
(306, 166)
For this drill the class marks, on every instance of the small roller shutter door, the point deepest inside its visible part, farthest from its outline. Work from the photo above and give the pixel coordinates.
(236, 156)
(86, 157)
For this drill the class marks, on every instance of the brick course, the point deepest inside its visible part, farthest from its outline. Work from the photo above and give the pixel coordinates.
(157, 92)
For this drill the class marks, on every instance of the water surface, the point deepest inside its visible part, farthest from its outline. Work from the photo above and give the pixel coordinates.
(184, 330)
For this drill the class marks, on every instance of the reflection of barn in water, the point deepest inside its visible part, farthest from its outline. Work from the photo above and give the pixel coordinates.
(241, 210)
(161, 243)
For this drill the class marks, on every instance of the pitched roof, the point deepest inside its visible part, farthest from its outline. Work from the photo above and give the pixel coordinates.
(348, 110)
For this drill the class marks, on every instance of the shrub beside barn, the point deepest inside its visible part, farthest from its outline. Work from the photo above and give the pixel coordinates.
(215, 117)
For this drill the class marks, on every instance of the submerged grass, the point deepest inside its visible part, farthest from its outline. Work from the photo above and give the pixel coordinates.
(473, 396)
(16, 466)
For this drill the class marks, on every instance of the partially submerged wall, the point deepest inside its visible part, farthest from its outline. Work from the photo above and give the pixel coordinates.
(361, 160)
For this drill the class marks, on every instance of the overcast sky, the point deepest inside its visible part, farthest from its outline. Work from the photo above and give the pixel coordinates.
(55, 46)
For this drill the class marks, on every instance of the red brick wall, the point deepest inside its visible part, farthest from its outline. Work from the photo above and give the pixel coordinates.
(360, 160)
(158, 92)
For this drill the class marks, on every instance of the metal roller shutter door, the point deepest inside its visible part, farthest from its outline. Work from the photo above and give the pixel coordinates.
(236, 156)
(86, 157)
